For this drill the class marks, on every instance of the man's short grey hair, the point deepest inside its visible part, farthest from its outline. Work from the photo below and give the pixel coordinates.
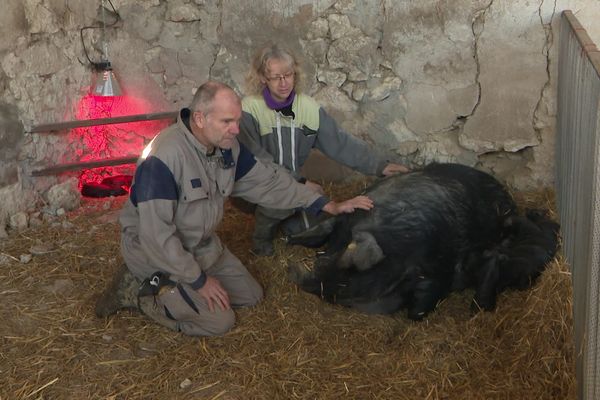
(204, 96)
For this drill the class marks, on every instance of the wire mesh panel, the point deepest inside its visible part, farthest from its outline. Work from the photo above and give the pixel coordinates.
(577, 172)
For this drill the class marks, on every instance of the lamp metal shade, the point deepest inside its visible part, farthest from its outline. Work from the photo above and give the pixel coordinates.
(106, 84)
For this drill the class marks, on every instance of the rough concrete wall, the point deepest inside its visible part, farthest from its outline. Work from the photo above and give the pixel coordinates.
(467, 81)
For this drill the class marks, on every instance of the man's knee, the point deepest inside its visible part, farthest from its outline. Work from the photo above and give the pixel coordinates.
(256, 295)
(223, 324)
(218, 324)
(247, 295)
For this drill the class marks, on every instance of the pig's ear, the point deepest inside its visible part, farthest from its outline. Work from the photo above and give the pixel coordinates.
(367, 252)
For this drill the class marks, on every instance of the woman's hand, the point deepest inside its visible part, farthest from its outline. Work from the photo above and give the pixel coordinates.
(349, 206)
(392, 169)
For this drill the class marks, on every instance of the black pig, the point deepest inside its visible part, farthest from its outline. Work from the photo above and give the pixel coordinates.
(445, 227)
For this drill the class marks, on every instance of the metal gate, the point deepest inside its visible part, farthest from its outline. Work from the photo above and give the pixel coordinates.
(577, 172)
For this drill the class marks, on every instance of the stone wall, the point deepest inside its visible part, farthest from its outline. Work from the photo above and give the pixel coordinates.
(466, 81)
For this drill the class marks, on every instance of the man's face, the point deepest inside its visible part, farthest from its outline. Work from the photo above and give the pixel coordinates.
(279, 78)
(220, 126)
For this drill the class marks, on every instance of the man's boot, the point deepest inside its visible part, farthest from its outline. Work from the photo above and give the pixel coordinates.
(301, 221)
(264, 233)
(121, 293)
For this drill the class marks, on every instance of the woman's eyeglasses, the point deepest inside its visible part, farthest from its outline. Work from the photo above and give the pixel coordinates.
(285, 77)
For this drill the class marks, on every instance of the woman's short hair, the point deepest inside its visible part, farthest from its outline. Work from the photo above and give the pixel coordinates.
(258, 67)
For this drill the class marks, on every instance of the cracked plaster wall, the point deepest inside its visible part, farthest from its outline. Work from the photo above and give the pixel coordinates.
(451, 80)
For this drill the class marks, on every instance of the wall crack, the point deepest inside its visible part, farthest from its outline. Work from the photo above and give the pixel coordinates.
(218, 47)
(548, 43)
(477, 27)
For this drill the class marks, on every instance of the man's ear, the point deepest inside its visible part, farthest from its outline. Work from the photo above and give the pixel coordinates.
(199, 119)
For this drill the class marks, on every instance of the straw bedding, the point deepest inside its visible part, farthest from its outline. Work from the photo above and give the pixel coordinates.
(291, 346)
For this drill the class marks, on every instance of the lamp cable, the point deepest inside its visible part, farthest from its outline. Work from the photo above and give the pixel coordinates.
(104, 63)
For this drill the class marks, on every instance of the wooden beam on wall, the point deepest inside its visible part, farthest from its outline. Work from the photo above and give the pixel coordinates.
(59, 126)
(85, 165)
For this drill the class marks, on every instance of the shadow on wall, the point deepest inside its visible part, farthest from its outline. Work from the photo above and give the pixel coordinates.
(11, 137)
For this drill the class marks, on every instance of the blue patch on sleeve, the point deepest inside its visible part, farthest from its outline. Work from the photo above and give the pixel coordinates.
(316, 207)
(153, 180)
(245, 162)
(196, 183)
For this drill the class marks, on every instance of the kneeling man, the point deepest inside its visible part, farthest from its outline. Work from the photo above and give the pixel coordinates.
(177, 271)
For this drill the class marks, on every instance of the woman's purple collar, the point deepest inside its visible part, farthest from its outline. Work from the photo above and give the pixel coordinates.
(274, 104)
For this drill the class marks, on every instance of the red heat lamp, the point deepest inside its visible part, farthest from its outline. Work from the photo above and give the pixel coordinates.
(105, 83)
(103, 91)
